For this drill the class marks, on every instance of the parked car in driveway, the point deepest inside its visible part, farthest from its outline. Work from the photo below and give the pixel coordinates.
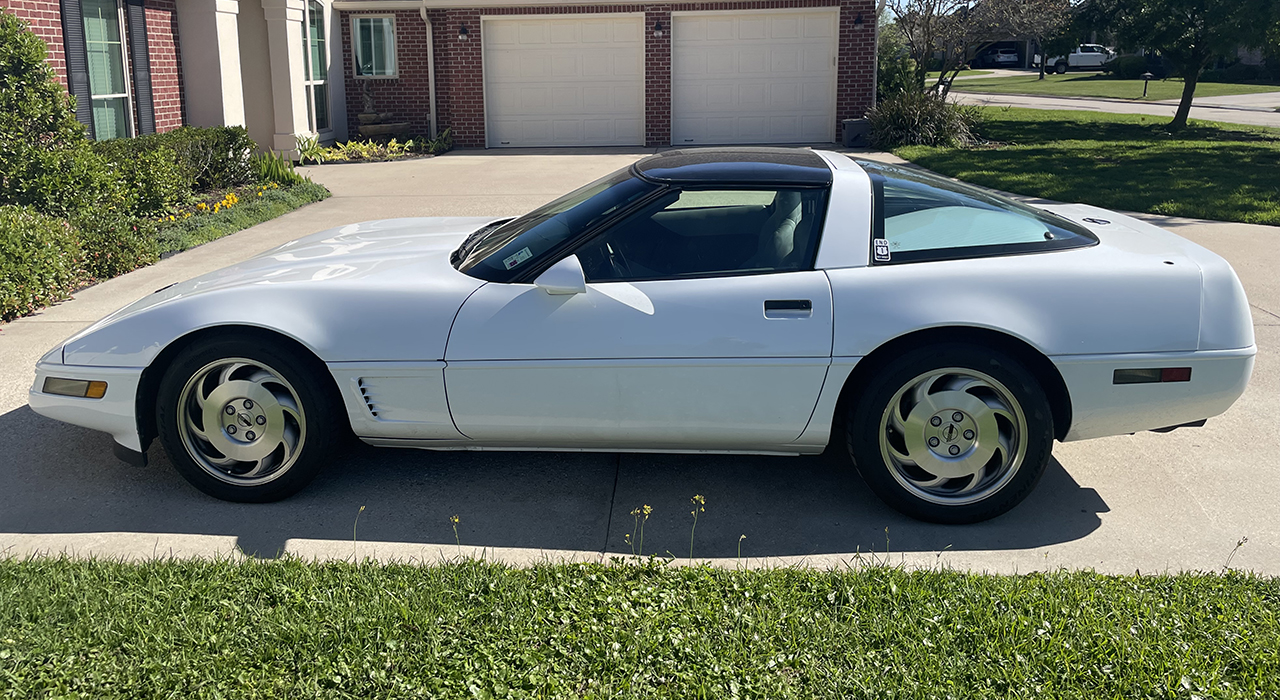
(1084, 57)
(764, 301)
(998, 58)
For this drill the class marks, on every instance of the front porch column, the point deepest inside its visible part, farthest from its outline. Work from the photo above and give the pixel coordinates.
(288, 92)
(210, 47)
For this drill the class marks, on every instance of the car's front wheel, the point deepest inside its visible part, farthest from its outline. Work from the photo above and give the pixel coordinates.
(952, 433)
(245, 420)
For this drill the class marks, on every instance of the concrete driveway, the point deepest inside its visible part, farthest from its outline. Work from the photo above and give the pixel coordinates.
(1149, 502)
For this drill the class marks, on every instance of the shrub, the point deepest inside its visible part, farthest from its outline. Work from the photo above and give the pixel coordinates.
(895, 69)
(114, 245)
(922, 119)
(35, 110)
(1126, 67)
(189, 232)
(207, 158)
(39, 261)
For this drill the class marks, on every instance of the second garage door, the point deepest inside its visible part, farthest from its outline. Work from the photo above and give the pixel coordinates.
(564, 81)
(753, 77)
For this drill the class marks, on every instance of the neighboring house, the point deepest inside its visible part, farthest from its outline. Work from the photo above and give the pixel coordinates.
(497, 73)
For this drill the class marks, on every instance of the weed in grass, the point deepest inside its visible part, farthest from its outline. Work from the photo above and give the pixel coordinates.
(1239, 543)
(353, 533)
(453, 520)
(641, 516)
(740, 539)
(699, 506)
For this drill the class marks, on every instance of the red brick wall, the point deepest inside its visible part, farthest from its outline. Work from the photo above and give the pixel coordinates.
(166, 63)
(406, 96)
(45, 19)
(459, 78)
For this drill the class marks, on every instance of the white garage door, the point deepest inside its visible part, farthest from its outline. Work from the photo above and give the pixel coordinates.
(564, 81)
(753, 77)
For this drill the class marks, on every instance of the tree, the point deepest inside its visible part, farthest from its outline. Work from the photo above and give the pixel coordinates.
(1189, 33)
(1037, 19)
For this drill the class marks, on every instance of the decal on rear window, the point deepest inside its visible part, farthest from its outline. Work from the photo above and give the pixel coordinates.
(520, 256)
(882, 250)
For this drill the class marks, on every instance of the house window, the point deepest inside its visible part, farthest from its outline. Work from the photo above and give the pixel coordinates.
(108, 88)
(316, 66)
(375, 46)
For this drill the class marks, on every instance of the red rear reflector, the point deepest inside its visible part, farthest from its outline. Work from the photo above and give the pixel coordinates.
(1153, 375)
(1175, 374)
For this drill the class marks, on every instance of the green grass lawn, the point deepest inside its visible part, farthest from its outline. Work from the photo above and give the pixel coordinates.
(289, 629)
(1097, 85)
(1209, 170)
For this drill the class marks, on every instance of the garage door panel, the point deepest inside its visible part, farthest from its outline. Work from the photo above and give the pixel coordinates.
(562, 81)
(743, 77)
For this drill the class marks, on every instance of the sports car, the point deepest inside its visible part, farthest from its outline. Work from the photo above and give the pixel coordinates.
(734, 300)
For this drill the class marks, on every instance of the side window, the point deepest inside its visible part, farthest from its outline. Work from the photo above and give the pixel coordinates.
(918, 216)
(698, 233)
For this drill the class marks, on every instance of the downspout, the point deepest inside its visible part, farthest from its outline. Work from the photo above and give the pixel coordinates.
(431, 68)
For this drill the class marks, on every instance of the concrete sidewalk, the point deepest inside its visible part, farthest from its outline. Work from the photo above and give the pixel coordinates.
(1229, 112)
(1149, 502)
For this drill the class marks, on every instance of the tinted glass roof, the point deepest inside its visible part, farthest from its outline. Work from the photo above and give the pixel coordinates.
(795, 167)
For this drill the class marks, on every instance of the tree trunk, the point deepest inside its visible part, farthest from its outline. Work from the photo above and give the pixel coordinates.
(1188, 92)
(1040, 48)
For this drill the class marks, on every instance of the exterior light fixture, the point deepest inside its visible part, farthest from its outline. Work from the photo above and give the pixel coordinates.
(857, 22)
(463, 33)
(657, 28)
(1146, 78)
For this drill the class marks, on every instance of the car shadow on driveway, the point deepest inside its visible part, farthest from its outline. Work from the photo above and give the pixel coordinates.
(59, 478)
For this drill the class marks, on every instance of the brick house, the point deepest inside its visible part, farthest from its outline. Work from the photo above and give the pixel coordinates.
(624, 73)
(498, 73)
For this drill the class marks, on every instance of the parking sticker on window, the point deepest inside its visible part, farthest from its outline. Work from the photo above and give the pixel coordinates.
(520, 256)
(882, 250)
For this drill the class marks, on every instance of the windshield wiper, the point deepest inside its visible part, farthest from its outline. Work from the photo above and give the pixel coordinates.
(470, 242)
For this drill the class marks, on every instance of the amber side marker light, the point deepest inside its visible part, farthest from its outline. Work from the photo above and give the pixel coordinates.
(78, 388)
(1155, 375)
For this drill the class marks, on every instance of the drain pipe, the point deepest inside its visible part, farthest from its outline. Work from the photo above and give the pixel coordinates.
(431, 69)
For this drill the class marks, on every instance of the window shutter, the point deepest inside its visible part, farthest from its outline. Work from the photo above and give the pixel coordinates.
(136, 16)
(77, 61)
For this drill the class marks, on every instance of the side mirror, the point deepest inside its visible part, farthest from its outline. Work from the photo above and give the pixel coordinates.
(564, 277)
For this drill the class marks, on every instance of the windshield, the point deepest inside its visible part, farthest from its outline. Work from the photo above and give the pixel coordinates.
(501, 254)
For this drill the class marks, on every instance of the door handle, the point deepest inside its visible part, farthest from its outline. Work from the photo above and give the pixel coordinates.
(788, 308)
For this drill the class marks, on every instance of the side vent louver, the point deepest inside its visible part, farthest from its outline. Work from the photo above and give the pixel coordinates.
(368, 398)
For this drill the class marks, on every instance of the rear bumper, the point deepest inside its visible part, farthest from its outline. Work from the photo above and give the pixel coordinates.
(114, 413)
(1100, 408)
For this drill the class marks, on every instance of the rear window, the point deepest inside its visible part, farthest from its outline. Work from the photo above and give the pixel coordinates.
(919, 216)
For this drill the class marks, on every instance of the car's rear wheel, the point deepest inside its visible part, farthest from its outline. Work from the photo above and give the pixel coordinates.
(244, 420)
(953, 433)
(1060, 68)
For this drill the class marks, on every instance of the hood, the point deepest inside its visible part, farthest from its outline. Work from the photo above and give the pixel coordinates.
(324, 290)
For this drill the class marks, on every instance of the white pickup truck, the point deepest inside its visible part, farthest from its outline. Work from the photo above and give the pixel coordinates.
(1084, 56)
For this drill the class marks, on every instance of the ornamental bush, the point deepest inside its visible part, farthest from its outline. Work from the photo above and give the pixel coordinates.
(39, 261)
(922, 119)
(114, 245)
(1126, 67)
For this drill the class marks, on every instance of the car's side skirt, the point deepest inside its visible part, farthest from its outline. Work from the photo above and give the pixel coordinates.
(457, 445)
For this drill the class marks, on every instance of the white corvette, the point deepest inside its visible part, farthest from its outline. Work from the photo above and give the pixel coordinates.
(767, 301)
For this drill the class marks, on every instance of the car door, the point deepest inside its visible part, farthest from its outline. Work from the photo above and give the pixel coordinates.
(715, 333)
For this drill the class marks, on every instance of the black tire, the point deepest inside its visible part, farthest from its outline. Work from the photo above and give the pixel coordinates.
(1060, 67)
(869, 411)
(318, 426)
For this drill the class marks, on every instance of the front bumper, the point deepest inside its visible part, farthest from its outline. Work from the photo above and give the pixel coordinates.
(1101, 408)
(114, 413)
